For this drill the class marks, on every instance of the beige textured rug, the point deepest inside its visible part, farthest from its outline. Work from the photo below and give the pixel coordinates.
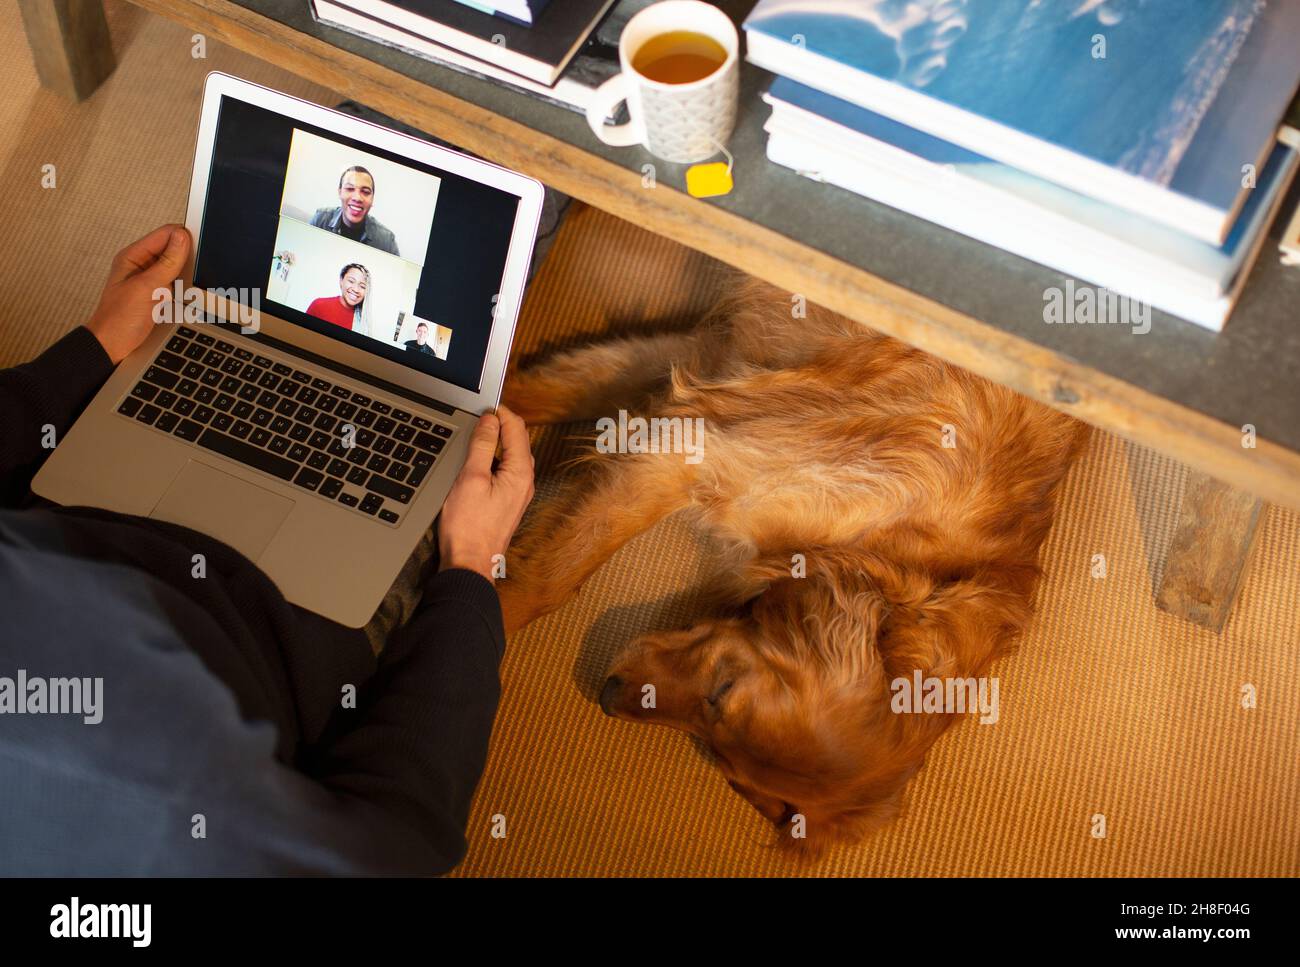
(1109, 706)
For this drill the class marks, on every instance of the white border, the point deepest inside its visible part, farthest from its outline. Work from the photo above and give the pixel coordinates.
(528, 216)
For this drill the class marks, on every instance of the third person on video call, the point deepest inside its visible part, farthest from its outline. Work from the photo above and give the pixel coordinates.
(351, 218)
(347, 309)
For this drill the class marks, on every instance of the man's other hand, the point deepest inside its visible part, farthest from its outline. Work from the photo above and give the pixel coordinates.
(124, 315)
(484, 508)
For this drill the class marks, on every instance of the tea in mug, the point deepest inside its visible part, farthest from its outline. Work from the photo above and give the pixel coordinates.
(679, 57)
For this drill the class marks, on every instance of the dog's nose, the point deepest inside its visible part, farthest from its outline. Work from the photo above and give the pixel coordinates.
(609, 693)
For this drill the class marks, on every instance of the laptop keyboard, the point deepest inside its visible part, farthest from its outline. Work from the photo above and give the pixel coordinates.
(288, 423)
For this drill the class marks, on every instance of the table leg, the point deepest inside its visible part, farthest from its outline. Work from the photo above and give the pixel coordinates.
(70, 44)
(1207, 556)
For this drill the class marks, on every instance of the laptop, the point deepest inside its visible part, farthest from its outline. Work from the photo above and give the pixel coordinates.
(308, 393)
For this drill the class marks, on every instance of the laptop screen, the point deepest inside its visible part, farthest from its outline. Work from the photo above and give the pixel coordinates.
(388, 254)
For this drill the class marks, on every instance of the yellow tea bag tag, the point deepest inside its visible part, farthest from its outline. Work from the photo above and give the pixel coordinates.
(711, 180)
(706, 181)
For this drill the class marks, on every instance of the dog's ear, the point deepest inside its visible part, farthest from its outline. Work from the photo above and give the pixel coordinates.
(830, 616)
(953, 627)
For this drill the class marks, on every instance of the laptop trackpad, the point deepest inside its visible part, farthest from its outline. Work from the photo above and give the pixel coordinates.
(223, 506)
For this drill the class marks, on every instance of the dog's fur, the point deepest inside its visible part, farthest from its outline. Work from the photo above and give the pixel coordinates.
(826, 440)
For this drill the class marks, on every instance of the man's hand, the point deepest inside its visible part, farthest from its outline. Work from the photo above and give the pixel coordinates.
(124, 315)
(484, 508)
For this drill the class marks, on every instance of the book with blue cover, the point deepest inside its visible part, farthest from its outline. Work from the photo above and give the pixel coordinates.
(1153, 105)
(523, 12)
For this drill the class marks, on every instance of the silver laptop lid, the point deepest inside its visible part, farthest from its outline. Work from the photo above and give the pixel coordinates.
(381, 252)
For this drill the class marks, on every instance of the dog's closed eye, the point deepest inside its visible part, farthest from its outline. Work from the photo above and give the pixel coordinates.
(719, 693)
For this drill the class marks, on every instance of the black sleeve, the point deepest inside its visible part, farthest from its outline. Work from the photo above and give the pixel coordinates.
(49, 392)
(420, 744)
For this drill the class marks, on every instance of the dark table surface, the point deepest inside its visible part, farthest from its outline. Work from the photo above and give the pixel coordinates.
(1249, 373)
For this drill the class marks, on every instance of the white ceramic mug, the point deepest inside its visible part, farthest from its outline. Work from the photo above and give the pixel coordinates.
(677, 122)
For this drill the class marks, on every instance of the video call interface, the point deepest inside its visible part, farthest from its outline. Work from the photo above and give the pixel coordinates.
(389, 255)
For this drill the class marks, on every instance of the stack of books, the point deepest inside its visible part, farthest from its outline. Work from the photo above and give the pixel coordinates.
(1135, 144)
(559, 51)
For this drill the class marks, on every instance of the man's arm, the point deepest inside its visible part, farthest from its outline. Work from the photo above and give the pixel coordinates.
(40, 400)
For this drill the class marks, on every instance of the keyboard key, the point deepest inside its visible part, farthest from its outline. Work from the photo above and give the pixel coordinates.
(251, 373)
(402, 416)
(249, 392)
(160, 377)
(243, 453)
(170, 362)
(404, 453)
(298, 453)
(225, 347)
(345, 411)
(371, 503)
(263, 361)
(205, 394)
(260, 438)
(326, 404)
(317, 460)
(398, 471)
(325, 422)
(381, 407)
(186, 387)
(388, 516)
(337, 468)
(189, 430)
(244, 354)
(358, 475)
(268, 399)
(426, 441)
(167, 422)
(348, 500)
(361, 400)
(269, 380)
(185, 333)
(337, 448)
(417, 476)
(211, 377)
(342, 392)
(279, 444)
(365, 437)
(262, 417)
(184, 407)
(192, 370)
(176, 344)
(282, 369)
(281, 425)
(405, 432)
(242, 410)
(166, 399)
(358, 455)
(440, 430)
(203, 414)
(223, 402)
(321, 384)
(306, 414)
(213, 358)
(307, 396)
(195, 351)
(331, 487)
(301, 377)
(232, 366)
(223, 422)
(308, 478)
(299, 432)
(385, 444)
(364, 418)
(144, 391)
(422, 423)
(286, 407)
(287, 388)
(423, 459)
(385, 426)
(320, 440)
(378, 463)
(241, 429)
(130, 406)
(390, 488)
(203, 339)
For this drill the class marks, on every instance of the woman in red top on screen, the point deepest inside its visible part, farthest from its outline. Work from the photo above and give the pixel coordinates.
(347, 309)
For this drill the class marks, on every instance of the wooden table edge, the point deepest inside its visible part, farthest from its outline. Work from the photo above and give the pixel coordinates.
(1268, 470)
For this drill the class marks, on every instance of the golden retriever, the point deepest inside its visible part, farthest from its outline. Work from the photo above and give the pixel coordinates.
(873, 512)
